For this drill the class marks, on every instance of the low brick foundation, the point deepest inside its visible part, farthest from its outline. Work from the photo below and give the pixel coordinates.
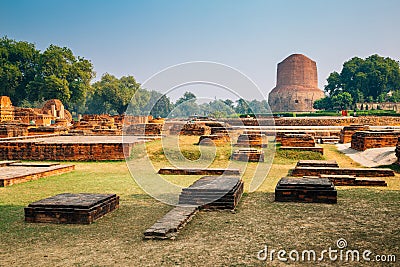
(248, 140)
(317, 149)
(216, 139)
(248, 155)
(195, 129)
(308, 190)
(71, 208)
(317, 163)
(66, 148)
(297, 140)
(15, 173)
(213, 192)
(363, 140)
(198, 171)
(357, 172)
(348, 131)
(144, 129)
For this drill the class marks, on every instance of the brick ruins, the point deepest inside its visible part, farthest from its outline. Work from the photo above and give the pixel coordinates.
(329, 169)
(209, 193)
(252, 140)
(316, 121)
(363, 140)
(297, 85)
(297, 140)
(65, 148)
(304, 142)
(318, 190)
(248, 155)
(195, 129)
(71, 208)
(6, 109)
(198, 171)
(214, 139)
(14, 172)
(348, 131)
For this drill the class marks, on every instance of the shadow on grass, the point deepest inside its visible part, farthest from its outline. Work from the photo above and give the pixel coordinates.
(395, 167)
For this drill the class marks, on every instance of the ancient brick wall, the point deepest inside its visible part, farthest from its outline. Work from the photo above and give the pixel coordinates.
(363, 140)
(318, 121)
(61, 152)
(13, 130)
(348, 131)
(195, 129)
(145, 129)
(297, 140)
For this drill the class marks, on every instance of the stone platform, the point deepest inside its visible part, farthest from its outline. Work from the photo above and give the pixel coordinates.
(12, 172)
(248, 155)
(317, 190)
(213, 192)
(351, 180)
(198, 171)
(313, 149)
(363, 140)
(71, 208)
(356, 172)
(297, 140)
(209, 193)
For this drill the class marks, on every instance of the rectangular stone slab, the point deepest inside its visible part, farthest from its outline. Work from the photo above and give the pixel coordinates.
(318, 190)
(169, 225)
(317, 163)
(83, 208)
(198, 171)
(357, 172)
(213, 192)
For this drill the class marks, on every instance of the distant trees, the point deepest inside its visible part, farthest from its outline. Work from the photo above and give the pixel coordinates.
(26, 74)
(112, 95)
(372, 79)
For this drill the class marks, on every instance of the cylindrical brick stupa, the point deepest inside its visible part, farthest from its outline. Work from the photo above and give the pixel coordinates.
(297, 85)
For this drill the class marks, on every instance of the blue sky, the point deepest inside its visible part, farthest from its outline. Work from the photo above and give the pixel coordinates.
(140, 38)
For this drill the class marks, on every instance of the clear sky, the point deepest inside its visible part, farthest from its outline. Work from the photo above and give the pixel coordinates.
(140, 38)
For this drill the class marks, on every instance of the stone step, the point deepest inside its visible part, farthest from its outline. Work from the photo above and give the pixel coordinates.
(168, 226)
(198, 171)
(317, 163)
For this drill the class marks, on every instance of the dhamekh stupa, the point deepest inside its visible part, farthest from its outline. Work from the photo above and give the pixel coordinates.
(296, 85)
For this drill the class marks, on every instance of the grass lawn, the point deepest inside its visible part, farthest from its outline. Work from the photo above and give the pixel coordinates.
(368, 218)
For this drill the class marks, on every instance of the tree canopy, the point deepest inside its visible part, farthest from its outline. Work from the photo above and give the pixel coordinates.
(27, 74)
(375, 78)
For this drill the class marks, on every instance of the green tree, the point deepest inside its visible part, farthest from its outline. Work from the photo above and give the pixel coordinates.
(323, 103)
(242, 107)
(18, 66)
(342, 101)
(29, 76)
(61, 75)
(113, 95)
(162, 106)
(366, 79)
(186, 106)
